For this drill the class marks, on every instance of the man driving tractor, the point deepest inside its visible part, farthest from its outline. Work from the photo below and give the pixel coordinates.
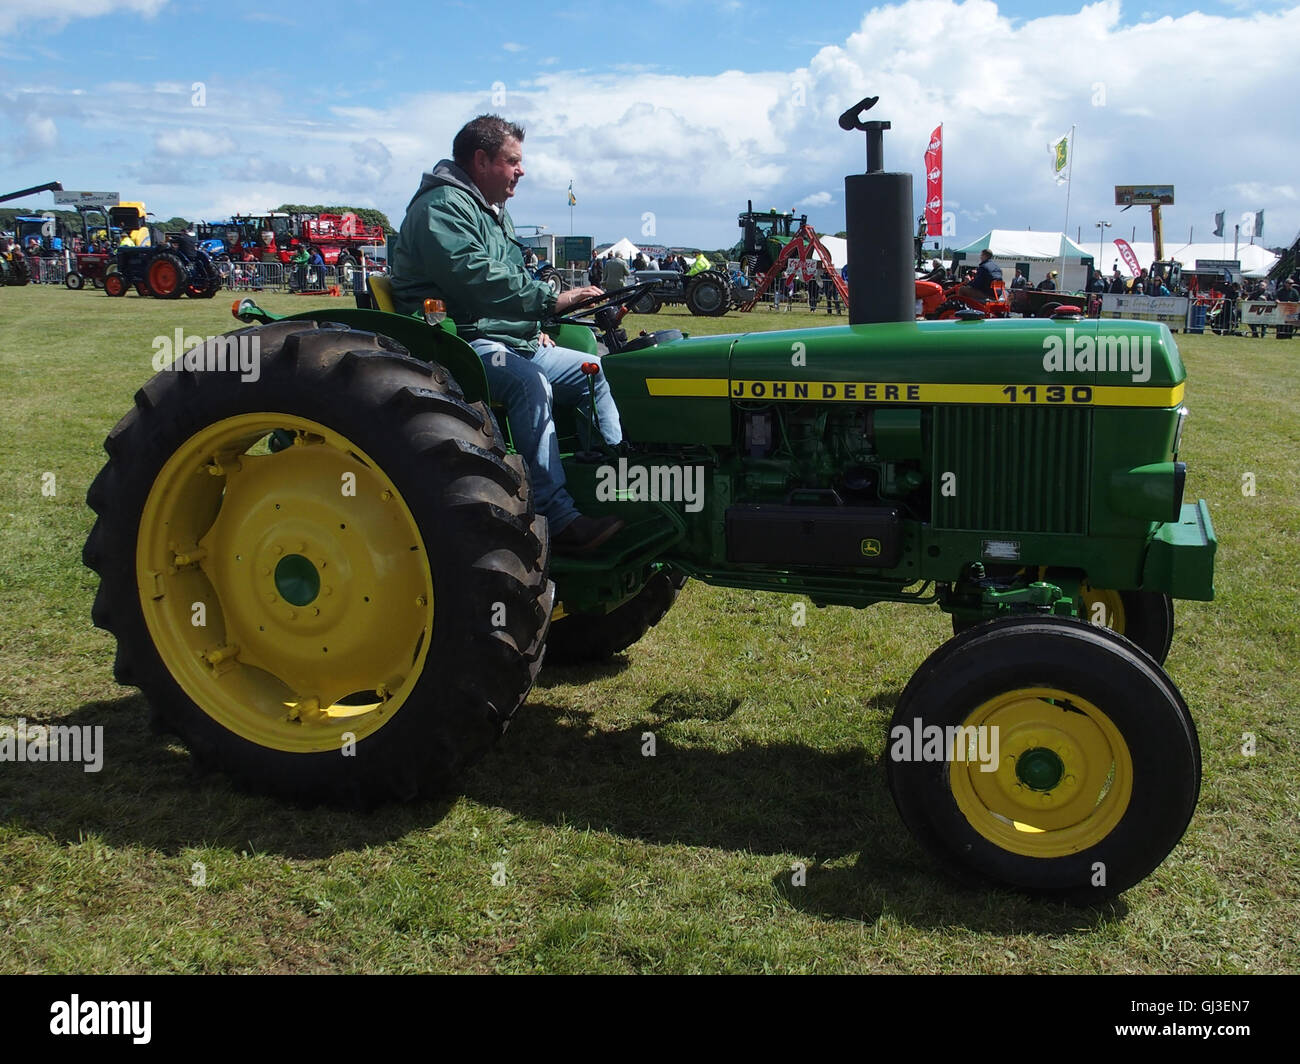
(980, 287)
(457, 243)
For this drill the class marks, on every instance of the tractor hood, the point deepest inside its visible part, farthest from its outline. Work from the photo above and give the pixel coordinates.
(683, 391)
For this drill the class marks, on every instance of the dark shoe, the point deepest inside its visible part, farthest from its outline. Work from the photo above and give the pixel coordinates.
(584, 534)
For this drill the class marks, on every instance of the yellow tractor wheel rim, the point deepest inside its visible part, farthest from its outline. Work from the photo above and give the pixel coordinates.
(1064, 774)
(290, 593)
(1103, 606)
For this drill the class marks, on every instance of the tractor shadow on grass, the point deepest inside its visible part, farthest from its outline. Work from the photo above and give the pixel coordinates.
(787, 801)
(149, 794)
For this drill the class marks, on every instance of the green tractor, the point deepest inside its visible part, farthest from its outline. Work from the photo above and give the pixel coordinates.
(320, 558)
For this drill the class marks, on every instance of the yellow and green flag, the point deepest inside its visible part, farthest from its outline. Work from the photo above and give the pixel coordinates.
(1060, 149)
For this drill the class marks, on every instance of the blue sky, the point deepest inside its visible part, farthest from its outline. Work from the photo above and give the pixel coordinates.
(666, 114)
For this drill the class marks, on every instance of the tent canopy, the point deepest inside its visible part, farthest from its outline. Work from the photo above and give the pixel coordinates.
(1255, 260)
(1024, 245)
(623, 247)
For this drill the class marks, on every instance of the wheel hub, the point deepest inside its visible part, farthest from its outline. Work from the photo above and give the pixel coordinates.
(1063, 776)
(290, 593)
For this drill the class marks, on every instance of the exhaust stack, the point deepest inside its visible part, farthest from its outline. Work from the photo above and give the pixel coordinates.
(878, 215)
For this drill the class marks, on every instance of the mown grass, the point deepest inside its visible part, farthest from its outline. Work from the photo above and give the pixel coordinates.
(769, 740)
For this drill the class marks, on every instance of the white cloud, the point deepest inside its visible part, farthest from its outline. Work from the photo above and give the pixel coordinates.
(61, 12)
(187, 143)
(817, 199)
(512, 46)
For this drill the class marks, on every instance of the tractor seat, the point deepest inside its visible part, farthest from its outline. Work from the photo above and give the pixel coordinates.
(381, 292)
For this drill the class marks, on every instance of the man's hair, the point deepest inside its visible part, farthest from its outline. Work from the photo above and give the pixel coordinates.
(984, 252)
(488, 132)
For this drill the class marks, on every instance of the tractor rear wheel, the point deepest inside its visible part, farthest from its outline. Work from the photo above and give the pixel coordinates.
(114, 284)
(708, 294)
(166, 276)
(577, 638)
(75, 281)
(1076, 768)
(352, 618)
(551, 276)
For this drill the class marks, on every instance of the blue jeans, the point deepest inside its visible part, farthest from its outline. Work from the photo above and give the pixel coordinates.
(529, 383)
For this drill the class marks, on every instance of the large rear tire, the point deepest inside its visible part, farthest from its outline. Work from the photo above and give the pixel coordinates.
(166, 276)
(277, 607)
(708, 294)
(578, 638)
(1096, 764)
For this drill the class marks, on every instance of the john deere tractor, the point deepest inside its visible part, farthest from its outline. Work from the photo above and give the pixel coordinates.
(322, 563)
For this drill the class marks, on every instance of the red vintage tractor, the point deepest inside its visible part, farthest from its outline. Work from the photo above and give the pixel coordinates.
(339, 237)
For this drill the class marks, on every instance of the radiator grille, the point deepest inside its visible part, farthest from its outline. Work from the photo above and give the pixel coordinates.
(1022, 469)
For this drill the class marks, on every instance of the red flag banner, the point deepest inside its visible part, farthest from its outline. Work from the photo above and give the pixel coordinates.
(934, 183)
(1126, 253)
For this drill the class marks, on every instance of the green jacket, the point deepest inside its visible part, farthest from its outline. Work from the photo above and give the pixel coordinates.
(453, 247)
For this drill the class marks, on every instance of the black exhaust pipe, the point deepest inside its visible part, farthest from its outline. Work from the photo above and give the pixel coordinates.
(878, 217)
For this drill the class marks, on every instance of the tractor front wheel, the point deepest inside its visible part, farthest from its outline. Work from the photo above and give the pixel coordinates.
(350, 618)
(74, 281)
(1044, 755)
(114, 284)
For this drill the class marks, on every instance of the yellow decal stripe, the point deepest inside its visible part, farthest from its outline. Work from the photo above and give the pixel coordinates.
(904, 392)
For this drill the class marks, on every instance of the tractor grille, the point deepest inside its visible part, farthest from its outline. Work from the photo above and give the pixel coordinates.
(1024, 469)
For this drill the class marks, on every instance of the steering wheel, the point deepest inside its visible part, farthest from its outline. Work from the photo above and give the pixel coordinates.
(593, 305)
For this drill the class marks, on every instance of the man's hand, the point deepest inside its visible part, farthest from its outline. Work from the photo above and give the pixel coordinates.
(545, 341)
(577, 295)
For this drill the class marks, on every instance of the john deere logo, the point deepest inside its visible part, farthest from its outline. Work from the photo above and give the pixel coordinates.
(870, 547)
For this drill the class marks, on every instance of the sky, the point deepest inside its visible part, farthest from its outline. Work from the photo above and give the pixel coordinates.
(667, 115)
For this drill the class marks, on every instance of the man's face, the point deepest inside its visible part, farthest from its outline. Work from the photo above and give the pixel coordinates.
(496, 177)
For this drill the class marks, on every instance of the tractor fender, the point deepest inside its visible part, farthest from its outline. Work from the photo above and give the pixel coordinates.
(429, 343)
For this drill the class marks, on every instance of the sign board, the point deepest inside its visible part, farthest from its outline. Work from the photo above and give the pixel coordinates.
(574, 249)
(1269, 314)
(92, 199)
(1144, 195)
(1172, 310)
(1218, 267)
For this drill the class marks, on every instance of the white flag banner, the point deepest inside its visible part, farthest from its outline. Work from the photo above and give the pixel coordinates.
(1060, 149)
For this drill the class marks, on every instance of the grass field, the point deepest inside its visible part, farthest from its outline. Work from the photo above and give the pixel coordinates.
(770, 739)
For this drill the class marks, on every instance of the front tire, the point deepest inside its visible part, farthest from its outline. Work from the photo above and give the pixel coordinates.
(320, 671)
(114, 284)
(74, 281)
(1097, 764)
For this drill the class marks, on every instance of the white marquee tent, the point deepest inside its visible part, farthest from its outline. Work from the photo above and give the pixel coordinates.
(1255, 260)
(624, 247)
(1042, 251)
